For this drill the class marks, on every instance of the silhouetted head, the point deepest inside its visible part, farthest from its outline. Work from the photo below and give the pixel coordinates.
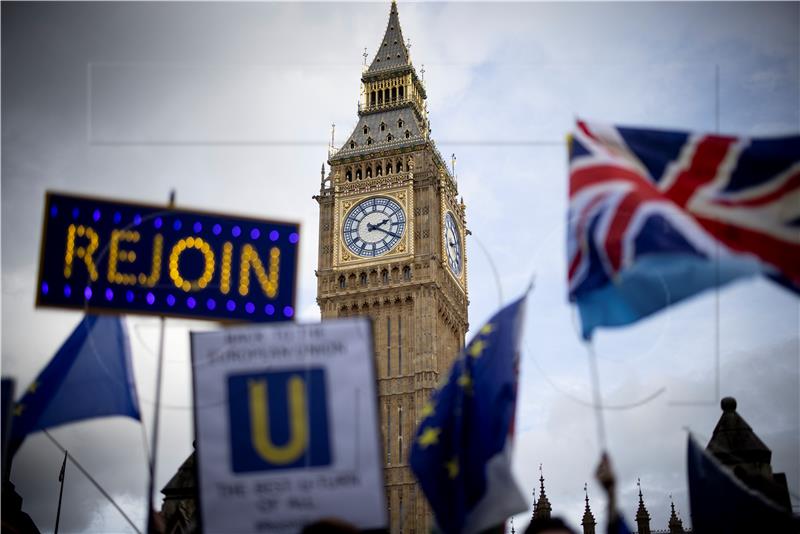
(554, 525)
(329, 526)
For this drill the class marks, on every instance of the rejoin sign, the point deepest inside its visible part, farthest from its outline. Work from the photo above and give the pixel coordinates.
(109, 256)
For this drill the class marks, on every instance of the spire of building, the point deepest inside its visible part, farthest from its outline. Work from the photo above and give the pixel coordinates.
(675, 524)
(543, 508)
(737, 447)
(588, 521)
(392, 52)
(642, 516)
(391, 108)
(533, 514)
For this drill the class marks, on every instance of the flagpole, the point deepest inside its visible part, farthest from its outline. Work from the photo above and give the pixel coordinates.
(598, 399)
(61, 491)
(94, 482)
(156, 409)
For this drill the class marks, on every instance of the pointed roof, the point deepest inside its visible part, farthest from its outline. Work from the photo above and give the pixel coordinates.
(543, 507)
(642, 515)
(733, 441)
(675, 524)
(392, 52)
(588, 521)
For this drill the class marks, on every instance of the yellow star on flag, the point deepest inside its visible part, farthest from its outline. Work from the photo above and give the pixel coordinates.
(33, 387)
(430, 436)
(465, 381)
(452, 467)
(427, 410)
(488, 328)
(476, 347)
(18, 409)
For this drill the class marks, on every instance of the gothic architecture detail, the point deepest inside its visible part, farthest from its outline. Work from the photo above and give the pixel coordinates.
(642, 515)
(542, 509)
(588, 521)
(392, 247)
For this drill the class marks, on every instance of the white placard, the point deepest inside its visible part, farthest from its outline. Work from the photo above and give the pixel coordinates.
(286, 427)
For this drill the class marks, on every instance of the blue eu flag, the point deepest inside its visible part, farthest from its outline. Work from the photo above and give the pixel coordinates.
(720, 502)
(90, 376)
(461, 452)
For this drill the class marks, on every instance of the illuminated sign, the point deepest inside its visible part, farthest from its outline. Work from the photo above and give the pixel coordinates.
(108, 256)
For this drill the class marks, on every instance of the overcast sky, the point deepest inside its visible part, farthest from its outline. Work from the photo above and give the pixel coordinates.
(231, 105)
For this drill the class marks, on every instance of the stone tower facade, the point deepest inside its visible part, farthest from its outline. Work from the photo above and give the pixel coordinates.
(392, 247)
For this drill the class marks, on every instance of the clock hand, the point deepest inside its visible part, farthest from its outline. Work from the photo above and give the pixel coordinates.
(387, 232)
(371, 227)
(452, 243)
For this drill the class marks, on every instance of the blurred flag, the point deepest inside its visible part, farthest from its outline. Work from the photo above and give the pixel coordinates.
(461, 454)
(658, 216)
(90, 376)
(720, 502)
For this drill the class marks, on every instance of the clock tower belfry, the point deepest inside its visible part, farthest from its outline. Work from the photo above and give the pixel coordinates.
(392, 247)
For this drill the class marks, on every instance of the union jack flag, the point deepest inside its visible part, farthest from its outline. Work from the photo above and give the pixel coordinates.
(657, 216)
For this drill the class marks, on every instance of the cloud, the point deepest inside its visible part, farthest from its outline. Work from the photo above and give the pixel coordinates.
(207, 75)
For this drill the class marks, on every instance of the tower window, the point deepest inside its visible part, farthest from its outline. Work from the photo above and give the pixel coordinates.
(400, 121)
(400, 351)
(401, 92)
(406, 273)
(369, 172)
(352, 144)
(383, 127)
(369, 140)
(378, 170)
(408, 134)
(342, 282)
(399, 165)
(389, 168)
(388, 433)
(385, 276)
(348, 175)
(389, 137)
(388, 346)
(363, 279)
(366, 129)
(358, 174)
(394, 91)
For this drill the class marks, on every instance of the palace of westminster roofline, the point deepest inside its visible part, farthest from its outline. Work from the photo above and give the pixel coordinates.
(733, 444)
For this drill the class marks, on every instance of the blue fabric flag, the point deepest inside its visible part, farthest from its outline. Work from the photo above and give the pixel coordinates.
(462, 449)
(90, 376)
(720, 502)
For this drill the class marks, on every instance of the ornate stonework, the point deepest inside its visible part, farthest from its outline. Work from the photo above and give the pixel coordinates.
(417, 303)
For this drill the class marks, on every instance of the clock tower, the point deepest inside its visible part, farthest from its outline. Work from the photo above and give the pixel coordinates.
(392, 247)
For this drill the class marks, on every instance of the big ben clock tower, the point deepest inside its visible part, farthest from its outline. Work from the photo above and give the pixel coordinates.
(391, 246)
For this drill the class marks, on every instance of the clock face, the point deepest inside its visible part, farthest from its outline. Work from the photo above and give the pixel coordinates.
(452, 243)
(373, 226)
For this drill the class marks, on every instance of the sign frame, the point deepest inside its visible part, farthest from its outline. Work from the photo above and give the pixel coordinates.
(372, 372)
(159, 210)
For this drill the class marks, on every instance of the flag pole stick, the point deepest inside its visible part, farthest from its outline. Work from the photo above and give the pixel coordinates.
(598, 400)
(61, 491)
(156, 409)
(94, 482)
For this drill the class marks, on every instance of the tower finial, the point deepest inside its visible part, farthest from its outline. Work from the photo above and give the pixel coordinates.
(365, 55)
